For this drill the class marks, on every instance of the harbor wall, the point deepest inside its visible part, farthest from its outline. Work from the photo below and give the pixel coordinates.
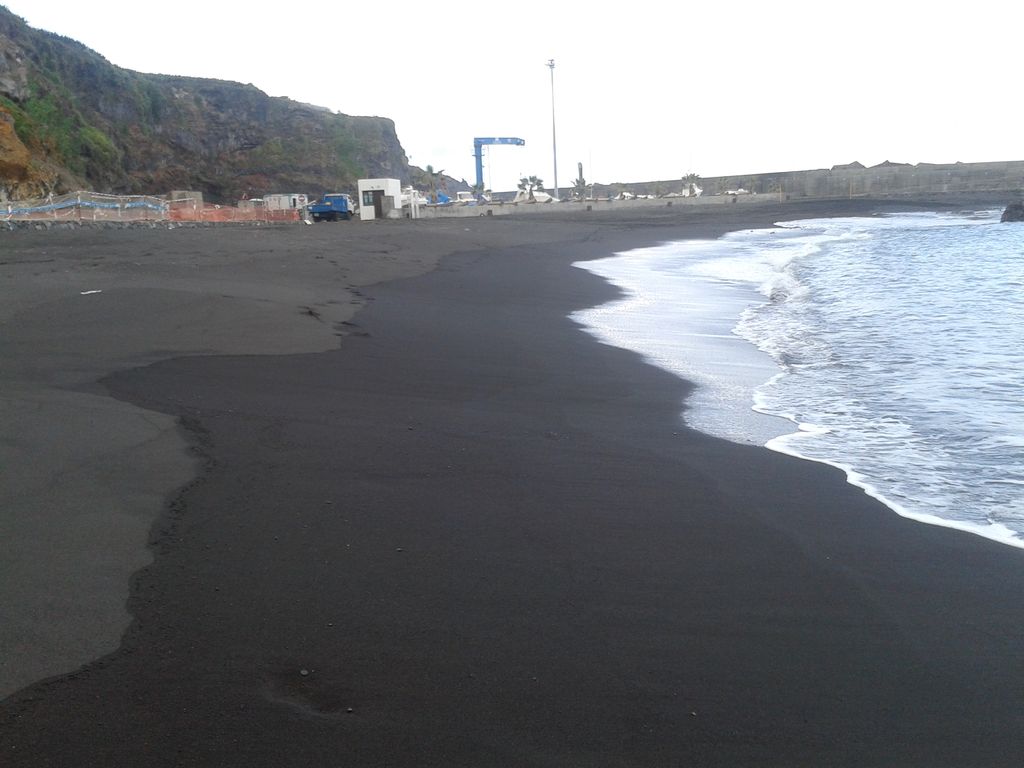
(885, 180)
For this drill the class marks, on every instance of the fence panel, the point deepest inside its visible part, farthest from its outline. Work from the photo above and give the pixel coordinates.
(93, 206)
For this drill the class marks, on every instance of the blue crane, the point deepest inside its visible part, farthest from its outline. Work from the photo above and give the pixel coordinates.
(478, 153)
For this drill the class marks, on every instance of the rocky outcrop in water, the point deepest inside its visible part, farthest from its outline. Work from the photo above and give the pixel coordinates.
(1014, 212)
(71, 119)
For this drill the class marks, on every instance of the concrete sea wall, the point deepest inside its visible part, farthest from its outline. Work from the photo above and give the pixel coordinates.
(885, 180)
(888, 180)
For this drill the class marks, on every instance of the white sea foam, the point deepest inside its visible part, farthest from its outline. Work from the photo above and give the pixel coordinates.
(898, 337)
(685, 327)
(995, 531)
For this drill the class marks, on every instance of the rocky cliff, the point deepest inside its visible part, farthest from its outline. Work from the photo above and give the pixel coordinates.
(70, 119)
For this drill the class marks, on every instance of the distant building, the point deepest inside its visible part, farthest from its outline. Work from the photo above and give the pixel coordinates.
(284, 202)
(380, 199)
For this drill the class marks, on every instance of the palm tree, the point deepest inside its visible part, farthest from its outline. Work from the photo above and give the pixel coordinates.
(690, 182)
(579, 187)
(530, 183)
(433, 177)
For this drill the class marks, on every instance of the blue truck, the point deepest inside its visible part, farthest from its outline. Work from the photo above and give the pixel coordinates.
(333, 207)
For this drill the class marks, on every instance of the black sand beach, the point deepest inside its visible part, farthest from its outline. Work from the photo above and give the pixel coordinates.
(469, 535)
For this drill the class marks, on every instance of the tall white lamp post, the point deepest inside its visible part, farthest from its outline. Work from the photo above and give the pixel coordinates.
(554, 141)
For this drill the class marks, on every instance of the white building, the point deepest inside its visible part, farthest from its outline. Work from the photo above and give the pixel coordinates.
(380, 199)
(284, 202)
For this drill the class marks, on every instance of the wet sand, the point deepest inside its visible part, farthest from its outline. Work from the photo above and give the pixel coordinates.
(461, 533)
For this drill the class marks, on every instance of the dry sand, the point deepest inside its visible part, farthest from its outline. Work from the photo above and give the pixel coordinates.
(448, 530)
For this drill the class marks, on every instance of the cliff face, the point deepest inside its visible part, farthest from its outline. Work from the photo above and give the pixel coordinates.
(70, 119)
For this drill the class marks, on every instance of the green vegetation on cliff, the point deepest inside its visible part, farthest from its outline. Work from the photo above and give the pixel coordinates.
(48, 123)
(88, 123)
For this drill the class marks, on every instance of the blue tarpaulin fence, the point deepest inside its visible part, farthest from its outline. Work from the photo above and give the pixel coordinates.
(82, 205)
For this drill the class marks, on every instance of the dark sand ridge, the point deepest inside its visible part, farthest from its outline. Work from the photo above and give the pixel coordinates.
(483, 533)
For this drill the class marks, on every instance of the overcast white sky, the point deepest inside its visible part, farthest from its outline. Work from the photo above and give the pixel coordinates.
(643, 90)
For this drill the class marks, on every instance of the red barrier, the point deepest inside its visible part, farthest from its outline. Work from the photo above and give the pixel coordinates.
(188, 210)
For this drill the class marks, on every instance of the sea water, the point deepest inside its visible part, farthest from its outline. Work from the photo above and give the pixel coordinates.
(889, 346)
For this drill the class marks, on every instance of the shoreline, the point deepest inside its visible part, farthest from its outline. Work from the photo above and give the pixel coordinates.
(631, 322)
(467, 512)
(993, 532)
